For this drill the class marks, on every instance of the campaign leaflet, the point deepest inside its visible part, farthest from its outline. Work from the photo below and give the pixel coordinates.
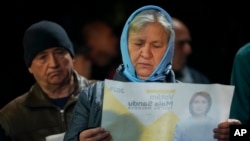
(151, 111)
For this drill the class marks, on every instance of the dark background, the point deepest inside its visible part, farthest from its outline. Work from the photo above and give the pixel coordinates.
(218, 29)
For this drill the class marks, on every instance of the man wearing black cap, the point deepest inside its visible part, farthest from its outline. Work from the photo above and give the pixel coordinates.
(46, 108)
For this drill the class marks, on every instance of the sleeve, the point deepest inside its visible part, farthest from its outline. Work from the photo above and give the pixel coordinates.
(87, 111)
(240, 78)
(79, 118)
(4, 124)
(3, 137)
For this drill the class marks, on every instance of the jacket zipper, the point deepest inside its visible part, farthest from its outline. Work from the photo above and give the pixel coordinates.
(62, 118)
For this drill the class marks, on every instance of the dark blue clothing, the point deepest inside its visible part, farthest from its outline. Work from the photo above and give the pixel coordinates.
(3, 137)
(88, 109)
(191, 75)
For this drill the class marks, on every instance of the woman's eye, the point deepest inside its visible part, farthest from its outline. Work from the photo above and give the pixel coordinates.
(156, 46)
(138, 44)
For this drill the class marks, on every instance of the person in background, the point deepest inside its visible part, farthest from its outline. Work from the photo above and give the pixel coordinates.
(147, 45)
(46, 108)
(240, 107)
(98, 34)
(182, 50)
(82, 63)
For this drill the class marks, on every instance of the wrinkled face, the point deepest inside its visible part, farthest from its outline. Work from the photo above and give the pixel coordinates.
(52, 66)
(146, 48)
(199, 105)
(182, 47)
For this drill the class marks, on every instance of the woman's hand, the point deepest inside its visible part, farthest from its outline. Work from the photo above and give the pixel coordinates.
(95, 134)
(222, 132)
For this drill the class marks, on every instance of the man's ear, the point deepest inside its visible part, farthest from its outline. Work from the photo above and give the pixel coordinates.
(30, 70)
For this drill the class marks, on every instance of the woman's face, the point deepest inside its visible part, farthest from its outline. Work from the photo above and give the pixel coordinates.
(146, 48)
(199, 105)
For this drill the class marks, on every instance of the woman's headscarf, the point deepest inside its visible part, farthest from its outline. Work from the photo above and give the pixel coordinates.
(164, 67)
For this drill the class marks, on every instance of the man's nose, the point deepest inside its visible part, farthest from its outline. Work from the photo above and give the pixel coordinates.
(53, 61)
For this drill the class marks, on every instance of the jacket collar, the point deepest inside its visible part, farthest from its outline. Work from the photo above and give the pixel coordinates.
(37, 98)
(170, 78)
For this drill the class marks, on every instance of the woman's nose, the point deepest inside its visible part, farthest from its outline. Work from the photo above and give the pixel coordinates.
(146, 51)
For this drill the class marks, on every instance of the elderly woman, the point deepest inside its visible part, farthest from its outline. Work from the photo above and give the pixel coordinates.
(147, 50)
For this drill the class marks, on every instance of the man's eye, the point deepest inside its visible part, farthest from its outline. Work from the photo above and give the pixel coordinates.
(181, 43)
(60, 51)
(42, 57)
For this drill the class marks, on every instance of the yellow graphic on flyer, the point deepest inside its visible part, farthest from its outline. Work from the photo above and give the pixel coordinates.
(123, 125)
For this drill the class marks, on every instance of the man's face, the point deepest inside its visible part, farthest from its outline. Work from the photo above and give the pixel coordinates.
(182, 47)
(52, 66)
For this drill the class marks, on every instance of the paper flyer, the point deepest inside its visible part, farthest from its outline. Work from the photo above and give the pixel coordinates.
(164, 111)
(55, 137)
